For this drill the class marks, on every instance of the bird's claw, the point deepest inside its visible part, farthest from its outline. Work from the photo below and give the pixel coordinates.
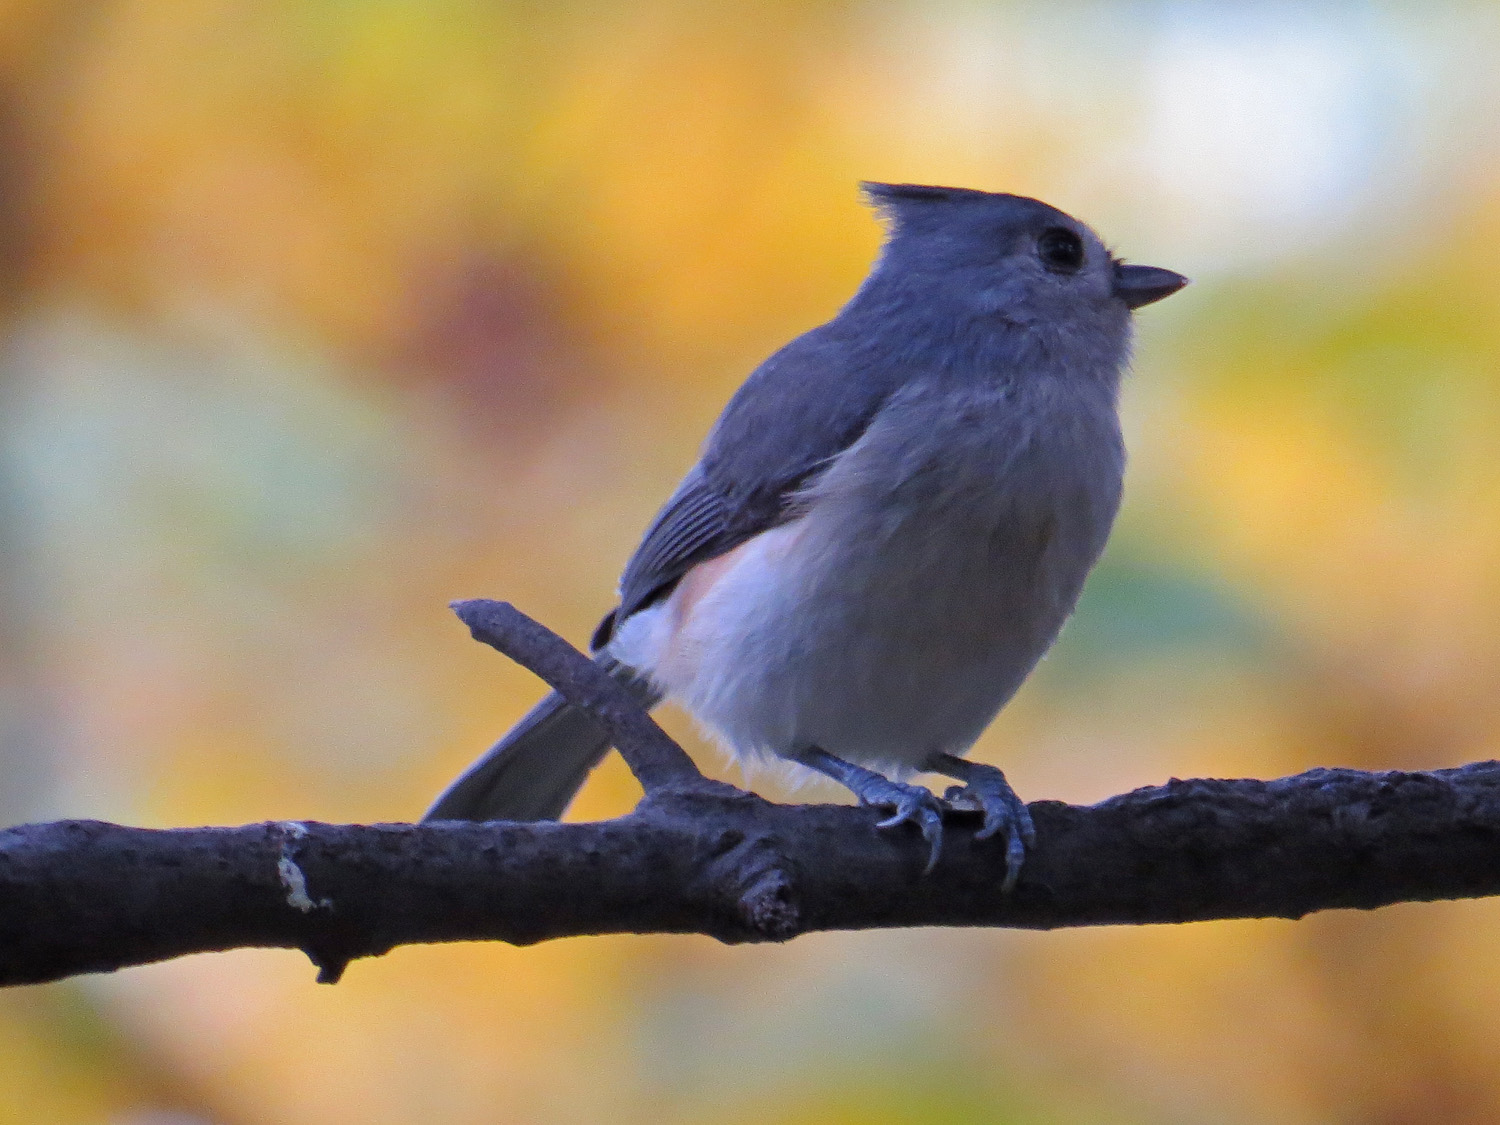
(912, 804)
(989, 793)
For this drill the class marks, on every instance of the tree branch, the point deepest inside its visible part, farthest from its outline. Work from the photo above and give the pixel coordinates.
(700, 857)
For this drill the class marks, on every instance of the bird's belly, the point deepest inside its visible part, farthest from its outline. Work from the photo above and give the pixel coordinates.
(880, 649)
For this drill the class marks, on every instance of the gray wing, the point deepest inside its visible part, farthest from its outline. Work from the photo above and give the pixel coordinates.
(797, 411)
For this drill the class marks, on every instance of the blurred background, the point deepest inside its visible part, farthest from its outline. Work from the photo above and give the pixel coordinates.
(319, 314)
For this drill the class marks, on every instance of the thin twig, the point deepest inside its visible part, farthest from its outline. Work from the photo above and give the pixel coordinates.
(656, 761)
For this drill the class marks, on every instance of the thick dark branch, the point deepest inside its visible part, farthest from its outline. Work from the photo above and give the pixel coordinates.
(700, 857)
(80, 896)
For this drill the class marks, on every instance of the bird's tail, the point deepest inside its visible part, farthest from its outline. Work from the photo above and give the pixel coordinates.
(534, 771)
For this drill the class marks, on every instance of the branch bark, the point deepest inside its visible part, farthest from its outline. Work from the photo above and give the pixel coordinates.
(701, 857)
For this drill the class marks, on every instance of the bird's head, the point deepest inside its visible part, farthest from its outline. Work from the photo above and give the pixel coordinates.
(1009, 258)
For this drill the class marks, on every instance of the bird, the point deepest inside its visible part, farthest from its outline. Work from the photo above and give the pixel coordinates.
(886, 529)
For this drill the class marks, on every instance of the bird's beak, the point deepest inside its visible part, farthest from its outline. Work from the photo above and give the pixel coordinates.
(1141, 285)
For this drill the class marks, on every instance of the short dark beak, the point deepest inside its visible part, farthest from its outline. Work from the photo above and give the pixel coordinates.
(1141, 285)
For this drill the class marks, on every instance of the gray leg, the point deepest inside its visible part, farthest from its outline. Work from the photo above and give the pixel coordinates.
(985, 787)
(911, 803)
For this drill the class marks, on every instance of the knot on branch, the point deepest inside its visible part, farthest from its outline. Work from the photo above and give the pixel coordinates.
(744, 873)
(769, 906)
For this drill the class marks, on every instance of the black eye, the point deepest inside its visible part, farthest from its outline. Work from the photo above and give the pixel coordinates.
(1060, 250)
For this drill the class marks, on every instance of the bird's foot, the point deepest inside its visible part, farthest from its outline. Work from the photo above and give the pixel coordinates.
(986, 791)
(910, 804)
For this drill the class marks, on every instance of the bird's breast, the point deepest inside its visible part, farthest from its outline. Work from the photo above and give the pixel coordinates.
(984, 509)
(932, 566)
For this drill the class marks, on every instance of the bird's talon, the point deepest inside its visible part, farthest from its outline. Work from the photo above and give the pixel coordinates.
(1028, 829)
(914, 805)
(932, 832)
(1015, 855)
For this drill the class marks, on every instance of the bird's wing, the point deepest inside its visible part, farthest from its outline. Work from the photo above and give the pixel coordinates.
(792, 417)
(698, 522)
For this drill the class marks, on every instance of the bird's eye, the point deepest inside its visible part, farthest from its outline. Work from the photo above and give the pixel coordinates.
(1060, 250)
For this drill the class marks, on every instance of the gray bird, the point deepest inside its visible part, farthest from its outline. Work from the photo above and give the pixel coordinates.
(887, 527)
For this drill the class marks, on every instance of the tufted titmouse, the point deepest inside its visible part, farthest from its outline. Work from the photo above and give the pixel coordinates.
(887, 527)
